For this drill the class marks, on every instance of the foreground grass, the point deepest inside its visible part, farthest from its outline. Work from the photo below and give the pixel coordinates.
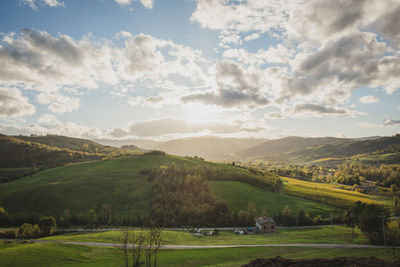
(329, 194)
(74, 255)
(238, 194)
(335, 235)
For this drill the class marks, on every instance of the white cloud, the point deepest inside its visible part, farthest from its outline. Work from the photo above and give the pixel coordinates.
(146, 3)
(252, 36)
(58, 103)
(123, 2)
(369, 99)
(48, 120)
(13, 104)
(51, 3)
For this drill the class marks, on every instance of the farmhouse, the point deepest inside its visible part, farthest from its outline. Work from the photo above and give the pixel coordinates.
(366, 187)
(265, 225)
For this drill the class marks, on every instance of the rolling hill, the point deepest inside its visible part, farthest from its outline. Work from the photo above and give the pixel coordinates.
(279, 148)
(303, 150)
(71, 143)
(120, 183)
(209, 147)
(20, 157)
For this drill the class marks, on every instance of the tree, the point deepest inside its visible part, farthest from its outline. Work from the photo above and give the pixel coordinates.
(61, 223)
(3, 216)
(350, 220)
(91, 218)
(106, 213)
(141, 248)
(396, 209)
(251, 211)
(36, 231)
(46, 224)
(67, 218)
(25, 230)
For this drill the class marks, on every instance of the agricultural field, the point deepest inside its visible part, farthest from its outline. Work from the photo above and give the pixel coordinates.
(238, 194)
(331, 194)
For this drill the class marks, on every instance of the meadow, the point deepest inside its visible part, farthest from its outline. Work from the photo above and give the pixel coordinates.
(76, 255)
(328, 235)
(238, 194)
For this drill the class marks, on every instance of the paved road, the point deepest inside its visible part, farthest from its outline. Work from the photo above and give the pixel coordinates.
(94, 244)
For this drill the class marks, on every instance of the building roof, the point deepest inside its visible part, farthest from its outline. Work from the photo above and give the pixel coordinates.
(264, 219)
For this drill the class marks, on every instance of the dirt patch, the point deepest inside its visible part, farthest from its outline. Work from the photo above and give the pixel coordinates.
(339, 261)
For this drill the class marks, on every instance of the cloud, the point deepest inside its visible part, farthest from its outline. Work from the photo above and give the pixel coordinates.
(327, 48)
(36, 60)
(13, 104)
(48, 120)
(58, 103)
(146, 3)
(309, 109)
(51, 3)
(235, 86)
(391, 122)
(242, 16)
(124, 2)
(274, 115)
(369, 99)
(171, 126)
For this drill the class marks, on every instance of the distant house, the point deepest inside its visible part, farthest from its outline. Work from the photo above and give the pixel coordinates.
(366, 187)
(265, 225)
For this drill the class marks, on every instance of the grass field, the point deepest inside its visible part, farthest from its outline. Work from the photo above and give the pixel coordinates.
(80, 187)
(118, 182)
(329, 194)
(74, 255)
(335, 235)
(238, 194)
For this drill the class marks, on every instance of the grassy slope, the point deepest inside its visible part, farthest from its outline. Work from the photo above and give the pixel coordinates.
(73, 255)
(79, 187)
(238, 194)
(329, 193)
(327, 235)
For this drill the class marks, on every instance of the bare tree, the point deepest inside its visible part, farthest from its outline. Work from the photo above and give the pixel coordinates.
(141, 248)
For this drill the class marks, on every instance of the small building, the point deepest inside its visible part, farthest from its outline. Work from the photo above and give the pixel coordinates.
(265, 225)
(366, 187)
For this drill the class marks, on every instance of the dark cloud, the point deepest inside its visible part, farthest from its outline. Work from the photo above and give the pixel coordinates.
(318, 109)
(236, 87)
(391, 122)
(63, 46)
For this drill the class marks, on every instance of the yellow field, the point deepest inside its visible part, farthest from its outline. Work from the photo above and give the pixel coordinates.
(332, 194)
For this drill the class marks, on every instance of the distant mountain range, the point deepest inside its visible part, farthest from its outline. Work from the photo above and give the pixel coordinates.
(293, 149)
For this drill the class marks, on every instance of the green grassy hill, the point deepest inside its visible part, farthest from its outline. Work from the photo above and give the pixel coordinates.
(21, 157)
(238, 194)
(119, 183)
(71, 143)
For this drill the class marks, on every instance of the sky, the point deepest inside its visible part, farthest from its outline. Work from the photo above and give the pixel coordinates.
(159, 70)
